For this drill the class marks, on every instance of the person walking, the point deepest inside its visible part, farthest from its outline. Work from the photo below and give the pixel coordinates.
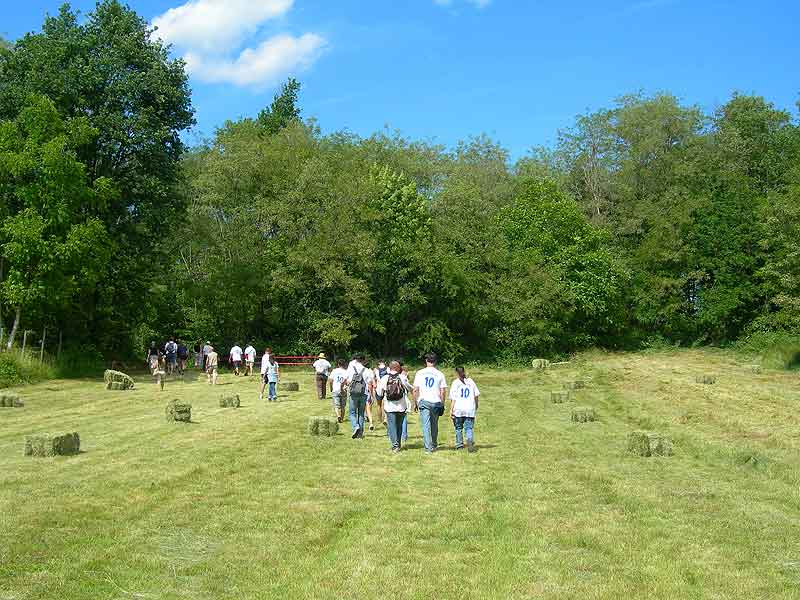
(380, 371)
(272, 379)
(198, 356)
(321, 370)
(212, 365)
(171, 351)
(395, 387)
(463, 408)
(264, 371)
(206, 350)
(249, 359)
(153, 360)
(430, 388)
(183, 357)
(359, 384)
(338, 384)
(236, 358)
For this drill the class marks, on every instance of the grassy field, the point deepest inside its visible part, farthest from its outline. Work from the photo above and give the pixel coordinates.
(242, 504)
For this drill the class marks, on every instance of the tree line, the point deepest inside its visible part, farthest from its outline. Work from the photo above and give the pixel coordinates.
(649, 222)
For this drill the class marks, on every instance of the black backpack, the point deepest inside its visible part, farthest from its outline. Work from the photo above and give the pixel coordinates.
(357, 383)
(395, 390)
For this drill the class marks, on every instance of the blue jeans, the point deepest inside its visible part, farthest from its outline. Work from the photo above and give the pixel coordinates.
(358, 404)
(404, 434)
(464, 425)
(273, 394)
(395, 423)
(429, 419)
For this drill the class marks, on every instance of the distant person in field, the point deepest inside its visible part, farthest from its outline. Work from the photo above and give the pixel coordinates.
(183, 356)
(236, 358)
(379, 372)
(264, 371)
(212, 365)
(463, 408)
(160, 374)
(430, 388)
(249, 359)
(272, 379)
(395, 387)
(410, 406)
(370, 395)
(359, 384)
(338, 384)
(321, 370)
(198, 356)
(206, 350)
(171, 351)
(153, 356)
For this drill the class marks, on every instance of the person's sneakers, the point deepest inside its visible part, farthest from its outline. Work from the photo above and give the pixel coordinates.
(261, 397)
(459, 447)
(395, 450)
(471, 447)
(338, 419)
(356, 432)
(371, 427)
(428, 451)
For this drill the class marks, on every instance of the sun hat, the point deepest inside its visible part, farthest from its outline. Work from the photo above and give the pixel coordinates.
(322, 355)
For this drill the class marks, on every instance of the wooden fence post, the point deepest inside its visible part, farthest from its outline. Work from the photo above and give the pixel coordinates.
(41, 351)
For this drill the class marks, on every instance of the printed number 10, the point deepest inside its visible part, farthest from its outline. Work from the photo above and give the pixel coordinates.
(429, 381)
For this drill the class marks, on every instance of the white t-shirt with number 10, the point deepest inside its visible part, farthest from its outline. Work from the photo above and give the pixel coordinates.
(429, 381)
(463, 395)
(338, 377)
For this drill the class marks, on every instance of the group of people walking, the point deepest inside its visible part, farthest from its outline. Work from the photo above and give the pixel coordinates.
(384, 393)
(389, 390)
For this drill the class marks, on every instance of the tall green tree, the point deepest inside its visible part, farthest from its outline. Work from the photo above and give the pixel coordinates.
(51, 246)
(283, 111)
(110, 70)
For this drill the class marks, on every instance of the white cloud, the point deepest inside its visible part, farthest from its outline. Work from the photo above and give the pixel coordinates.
(216, 25)
(263, 65)
(209, 32)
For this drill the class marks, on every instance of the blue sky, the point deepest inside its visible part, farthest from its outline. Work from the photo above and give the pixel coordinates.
(447, 69)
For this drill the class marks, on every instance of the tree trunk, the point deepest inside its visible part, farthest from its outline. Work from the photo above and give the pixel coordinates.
(14, 328)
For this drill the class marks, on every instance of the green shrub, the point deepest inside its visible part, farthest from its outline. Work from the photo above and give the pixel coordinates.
(16, 369)
(85, 361)
(777, 350)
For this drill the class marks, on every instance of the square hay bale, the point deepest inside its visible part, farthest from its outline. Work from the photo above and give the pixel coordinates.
(643, 443)
(46, 444)
(560, 397)
(574, 385)
(583, 414)
(229, 401)
(11, 400)
(289, 387)
(178, 411)
(540, 364)
(706, 379)
(123, 381)
(323, 426)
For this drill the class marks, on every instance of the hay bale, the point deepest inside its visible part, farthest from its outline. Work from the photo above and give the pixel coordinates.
(52, 445)
(540, 364)
(574, 385)
(643, 443)
(706, 379)
(125, 382)
(560, 397)
(229, 401)
(178, 411)
(323, 426)
(583, 414)
(289, 387)
(11, 400)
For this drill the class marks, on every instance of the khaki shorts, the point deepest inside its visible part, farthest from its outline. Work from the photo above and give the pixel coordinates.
(339, 400)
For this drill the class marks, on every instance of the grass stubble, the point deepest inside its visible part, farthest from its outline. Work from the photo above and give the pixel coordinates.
(246, 504)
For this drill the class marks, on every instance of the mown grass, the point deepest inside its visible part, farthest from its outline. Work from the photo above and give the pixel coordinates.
(242, 504)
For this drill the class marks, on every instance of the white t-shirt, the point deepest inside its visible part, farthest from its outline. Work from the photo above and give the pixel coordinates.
(357, 367)
(236, 353)
(264, 363)
(429, 381)
(463, 396)
(250, 354)
(322, 366)
(338, 377)
(401, 405)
